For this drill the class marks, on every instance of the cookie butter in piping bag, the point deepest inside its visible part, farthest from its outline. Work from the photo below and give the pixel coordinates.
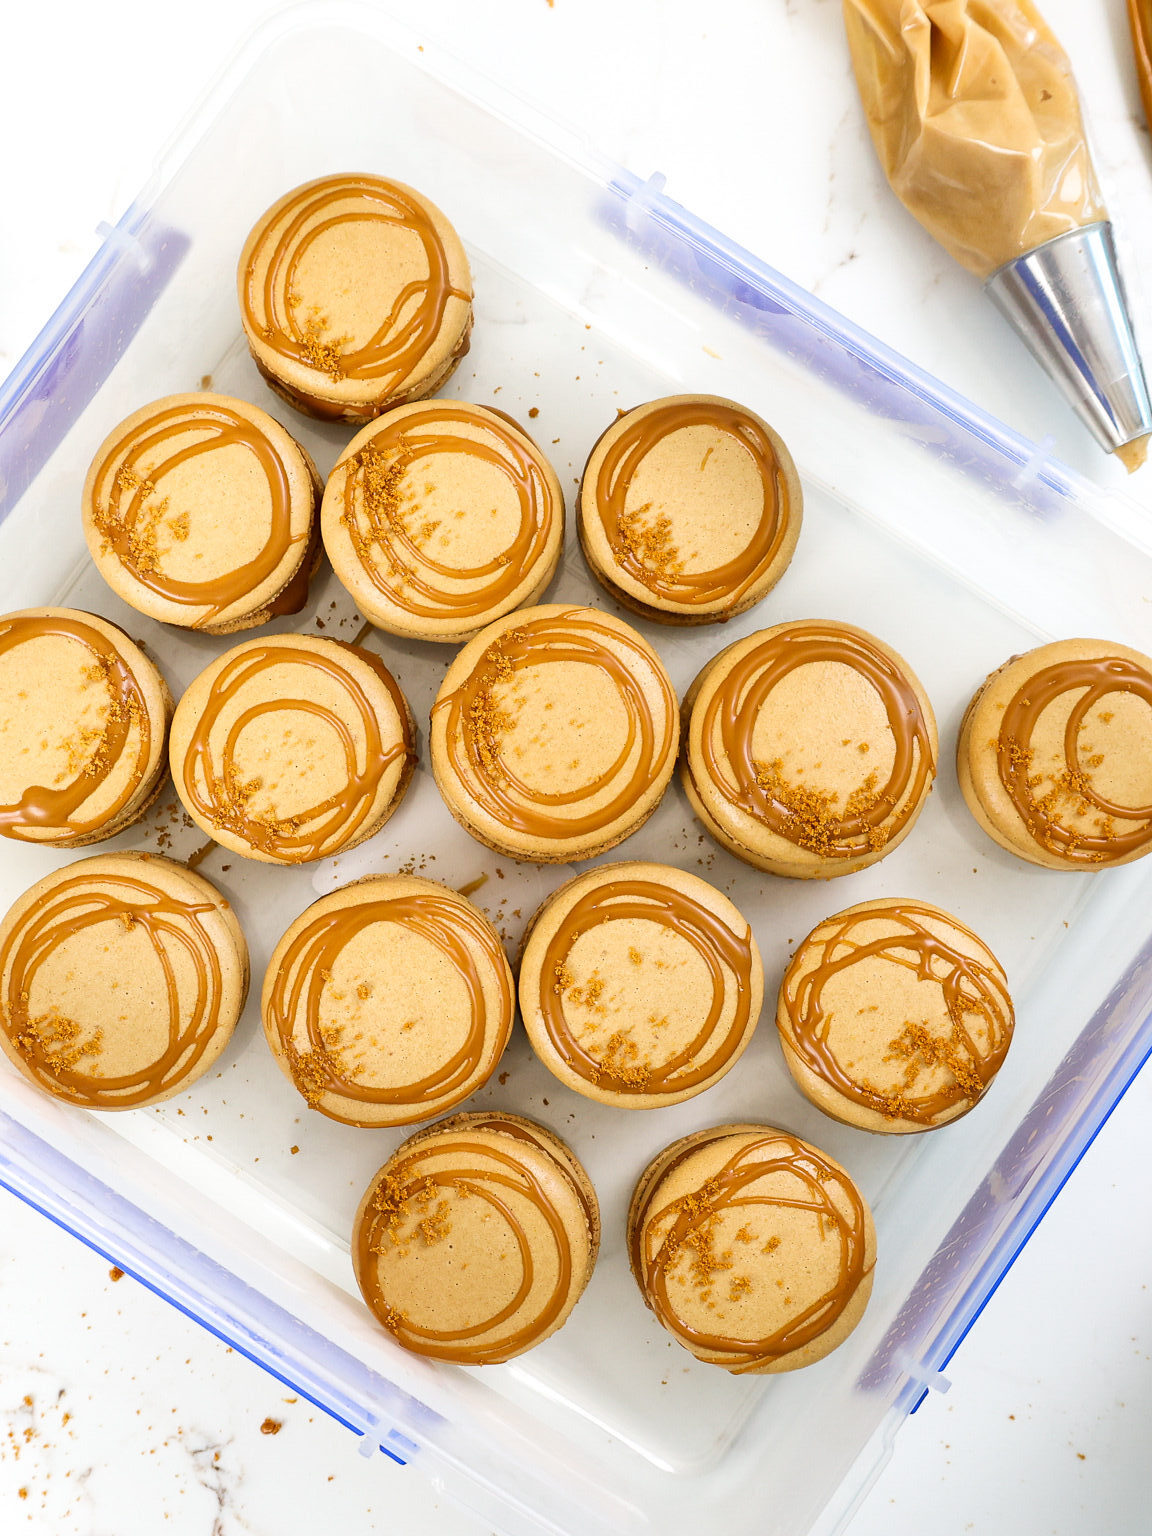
(974, 114)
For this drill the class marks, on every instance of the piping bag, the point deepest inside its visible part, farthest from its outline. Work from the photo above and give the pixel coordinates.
(974, 114)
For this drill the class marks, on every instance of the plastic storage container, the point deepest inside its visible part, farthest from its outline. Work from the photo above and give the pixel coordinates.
(927, 522)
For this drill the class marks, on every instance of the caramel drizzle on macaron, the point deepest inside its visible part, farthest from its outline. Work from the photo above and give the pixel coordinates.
(55, 1049)
(476, 724)
(637, 436)
(968, 985)
(1098, 677)
(404, 1184)
(417, 312)
(304, 970)
(691, 1217)
(131, 475)
(40, 806)
(209, 779)
(385, 540)
(727, 956)
(871, 816)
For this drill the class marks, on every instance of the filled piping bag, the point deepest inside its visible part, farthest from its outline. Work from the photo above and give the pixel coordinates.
(975, 117)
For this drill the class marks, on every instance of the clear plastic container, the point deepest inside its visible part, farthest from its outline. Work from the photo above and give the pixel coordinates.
(927, 522)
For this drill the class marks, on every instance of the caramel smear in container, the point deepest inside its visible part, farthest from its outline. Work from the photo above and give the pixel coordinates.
(975, 116)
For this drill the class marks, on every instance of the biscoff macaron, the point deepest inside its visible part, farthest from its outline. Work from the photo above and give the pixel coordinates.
(1055, 755)
(122, 977)
(754, 1249)
(200, 510)
(554, 734)
(355, 296)
(442, 517)
(388, 1001)
(292, 748)
(475, 1240)
(810, 749)
(690, 508)
(83, 728)
(640, 985)
(894, 1017)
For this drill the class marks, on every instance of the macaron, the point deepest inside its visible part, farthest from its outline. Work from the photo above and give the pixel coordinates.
(554, 734)
(1055, 755)
(894, 1017)
(475, 1240)
(810, 749)
(355, 296)
(690, 508)
(200, 510)
(441, 518)
(83, 728)
(291, 748)
(754, 1249)
(388, 1001)
(640, 985)
(122, 977)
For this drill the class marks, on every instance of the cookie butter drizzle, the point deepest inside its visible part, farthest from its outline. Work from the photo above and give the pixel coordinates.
(405, 1189)
(129, 518)
(390, 539)
(969, 986)
(871, 816)
(55, 1048)
(127, 711)
(210, 782)
(1014, 752)
(477, 721)
(644, 551)
(398, 344)
(459, 932)
(825, 1190)
(727, 956)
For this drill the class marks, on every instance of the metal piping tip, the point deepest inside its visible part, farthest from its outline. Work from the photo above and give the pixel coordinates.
(1066, 299)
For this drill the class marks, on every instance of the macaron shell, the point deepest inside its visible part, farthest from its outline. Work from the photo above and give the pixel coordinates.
(639, 990)
(431, 513)
(93, 960)
(1114, 748)
(887, 1010)
(346, 281)
(202, 491)
(559, 726)
(55, 706)
(779, 1269)
(833, 741)
(474, 1241)
(697, 500)
(324, 757)
(420, 990)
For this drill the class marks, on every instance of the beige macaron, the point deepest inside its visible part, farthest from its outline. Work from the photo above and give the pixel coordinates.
(810, 749)
(388, 1001)
(640, 985)
(441, 518)
(690, 509)
(292, 748)
(754, 1249)
(476, 1238)
(83, 728)
(200, 510)
(1055, 755)
(355, 296)
(893, 1016)
(122, 977)
(554, 734)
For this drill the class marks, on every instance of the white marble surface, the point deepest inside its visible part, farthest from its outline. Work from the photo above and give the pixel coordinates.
(117, 1416)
